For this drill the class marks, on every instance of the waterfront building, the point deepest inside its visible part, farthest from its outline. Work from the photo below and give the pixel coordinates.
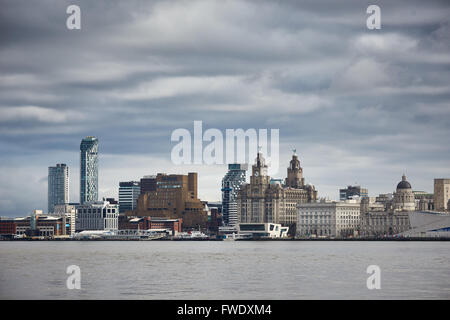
(38, 224)
(174, 226)
(231, 185)
(88, 170)
(262, 230)
(394, 219)
(99, 215)
(128, 194)
(428, 224)
(351, 191)
(58, 186)
(441, 194)
(328, 219)
(7, 227)
(173, 196)
(68, 213)
(263, 202)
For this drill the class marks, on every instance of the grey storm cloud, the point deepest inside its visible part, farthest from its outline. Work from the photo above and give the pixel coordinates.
(359, 105)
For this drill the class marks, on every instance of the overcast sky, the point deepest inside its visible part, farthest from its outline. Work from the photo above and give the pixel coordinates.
(360, 106)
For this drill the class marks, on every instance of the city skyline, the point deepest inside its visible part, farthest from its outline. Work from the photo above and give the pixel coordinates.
(360, 106)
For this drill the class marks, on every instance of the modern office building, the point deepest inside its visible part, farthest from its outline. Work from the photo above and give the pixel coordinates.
(172, 196)
(128, 194)
(441, 194)
(328, 219)
(231, 185)
(263, 202)
(351, 191)
(88, 170)
(99, 215)
(58, 186)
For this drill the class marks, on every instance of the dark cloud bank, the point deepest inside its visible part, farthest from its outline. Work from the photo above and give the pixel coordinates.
(359, 105)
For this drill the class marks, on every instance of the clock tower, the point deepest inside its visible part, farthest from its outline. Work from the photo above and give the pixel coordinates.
(259, 171)
(295, 173)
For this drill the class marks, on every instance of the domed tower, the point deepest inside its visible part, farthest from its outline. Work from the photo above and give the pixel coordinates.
(295, 173)
(404, 199)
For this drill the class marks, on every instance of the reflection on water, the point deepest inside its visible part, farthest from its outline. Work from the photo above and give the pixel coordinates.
(224, 270)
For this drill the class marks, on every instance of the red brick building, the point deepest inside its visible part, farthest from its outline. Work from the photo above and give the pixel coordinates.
(7, 226)
(146, 223)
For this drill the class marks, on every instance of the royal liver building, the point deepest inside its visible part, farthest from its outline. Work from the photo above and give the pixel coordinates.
(262, 201)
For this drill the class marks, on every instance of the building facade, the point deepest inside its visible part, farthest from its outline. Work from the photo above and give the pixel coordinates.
(351, 191)
(404, 198)
(148, 223)
(173, 196)
(394, 218)
(68, 213)
(58, 186)
(40, 225)
(128, 194)
(328, 219)
(424, 200)
(100, 215)
(148, 184)
(88, 170)
(231, 185)
(261, 201)
(441, 194)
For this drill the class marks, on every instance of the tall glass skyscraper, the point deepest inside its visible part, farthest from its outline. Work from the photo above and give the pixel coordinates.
(58, 186)
(88, 170)
(231, 184)
(128, 195)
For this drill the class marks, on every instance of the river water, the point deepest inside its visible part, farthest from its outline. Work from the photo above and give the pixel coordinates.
(224, 270)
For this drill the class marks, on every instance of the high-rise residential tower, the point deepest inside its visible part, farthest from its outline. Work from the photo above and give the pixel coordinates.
(128, 194)
(231, 184)
(88, 170)
(58, 186)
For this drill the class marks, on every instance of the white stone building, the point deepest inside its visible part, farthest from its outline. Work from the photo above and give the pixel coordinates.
(99, 215)
(328, 219)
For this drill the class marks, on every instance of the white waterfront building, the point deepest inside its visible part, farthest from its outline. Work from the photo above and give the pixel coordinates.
(99, 215)
(328, 219)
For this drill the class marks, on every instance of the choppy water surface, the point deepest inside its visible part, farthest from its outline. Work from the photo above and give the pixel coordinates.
(224, 270)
